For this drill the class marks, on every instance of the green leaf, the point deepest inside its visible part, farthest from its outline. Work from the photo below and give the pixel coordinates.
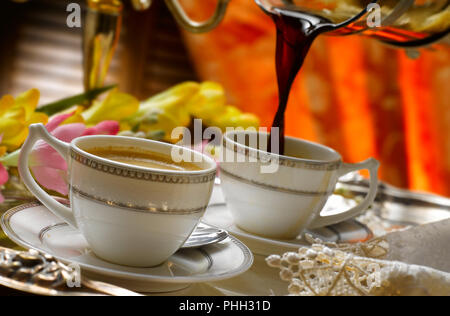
(64, 104)
(11, 159)
(156, 135)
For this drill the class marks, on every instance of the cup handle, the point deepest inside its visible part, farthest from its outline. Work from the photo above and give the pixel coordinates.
(372, 165)
(39, 132)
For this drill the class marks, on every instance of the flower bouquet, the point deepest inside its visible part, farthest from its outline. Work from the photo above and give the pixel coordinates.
(117, 113)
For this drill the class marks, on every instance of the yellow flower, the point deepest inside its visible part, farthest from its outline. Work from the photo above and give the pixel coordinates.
(233, 117)
(77, 115)
(15, 117)
(116, 107)
(2, 151)
(165, 111)
(209, 102)
(175, 107)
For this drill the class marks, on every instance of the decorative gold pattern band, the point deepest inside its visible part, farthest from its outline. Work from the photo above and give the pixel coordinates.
(153, 176)
(47, 229)
(271, 187)
(281, 160)
(136, 208)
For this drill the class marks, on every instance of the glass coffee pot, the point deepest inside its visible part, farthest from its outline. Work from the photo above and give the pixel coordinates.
(402, 23)
(406, 23)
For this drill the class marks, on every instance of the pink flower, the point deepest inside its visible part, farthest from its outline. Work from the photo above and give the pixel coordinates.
(48, 167)
(4, 177)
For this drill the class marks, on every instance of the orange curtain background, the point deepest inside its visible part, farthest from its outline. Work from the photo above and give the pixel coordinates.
(354, 94)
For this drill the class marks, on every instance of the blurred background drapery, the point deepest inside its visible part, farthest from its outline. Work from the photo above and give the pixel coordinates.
(354, 94)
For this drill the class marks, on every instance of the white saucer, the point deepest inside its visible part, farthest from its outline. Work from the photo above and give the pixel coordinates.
(33, 226)
(350, 231)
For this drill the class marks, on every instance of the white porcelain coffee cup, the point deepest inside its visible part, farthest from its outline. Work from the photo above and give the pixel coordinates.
(284, 203)
(129, 215)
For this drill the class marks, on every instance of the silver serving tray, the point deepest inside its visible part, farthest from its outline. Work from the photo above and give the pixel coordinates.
(401, 206)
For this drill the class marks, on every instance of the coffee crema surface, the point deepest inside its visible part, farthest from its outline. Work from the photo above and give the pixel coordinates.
(141, 158)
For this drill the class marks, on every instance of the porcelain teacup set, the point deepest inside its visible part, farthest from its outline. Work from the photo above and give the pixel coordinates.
(137, 216)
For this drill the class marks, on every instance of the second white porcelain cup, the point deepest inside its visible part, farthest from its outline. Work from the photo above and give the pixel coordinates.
(284, 203)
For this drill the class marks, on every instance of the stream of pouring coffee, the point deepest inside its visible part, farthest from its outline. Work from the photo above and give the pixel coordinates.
(296, 31)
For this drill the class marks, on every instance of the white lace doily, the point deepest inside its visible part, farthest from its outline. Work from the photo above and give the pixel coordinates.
(400, 263)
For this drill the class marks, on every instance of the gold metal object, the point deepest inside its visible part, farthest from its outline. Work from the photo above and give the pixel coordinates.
(100, 38)
(37, 273)
(141, 5)
(194, 26)
(102, 30)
